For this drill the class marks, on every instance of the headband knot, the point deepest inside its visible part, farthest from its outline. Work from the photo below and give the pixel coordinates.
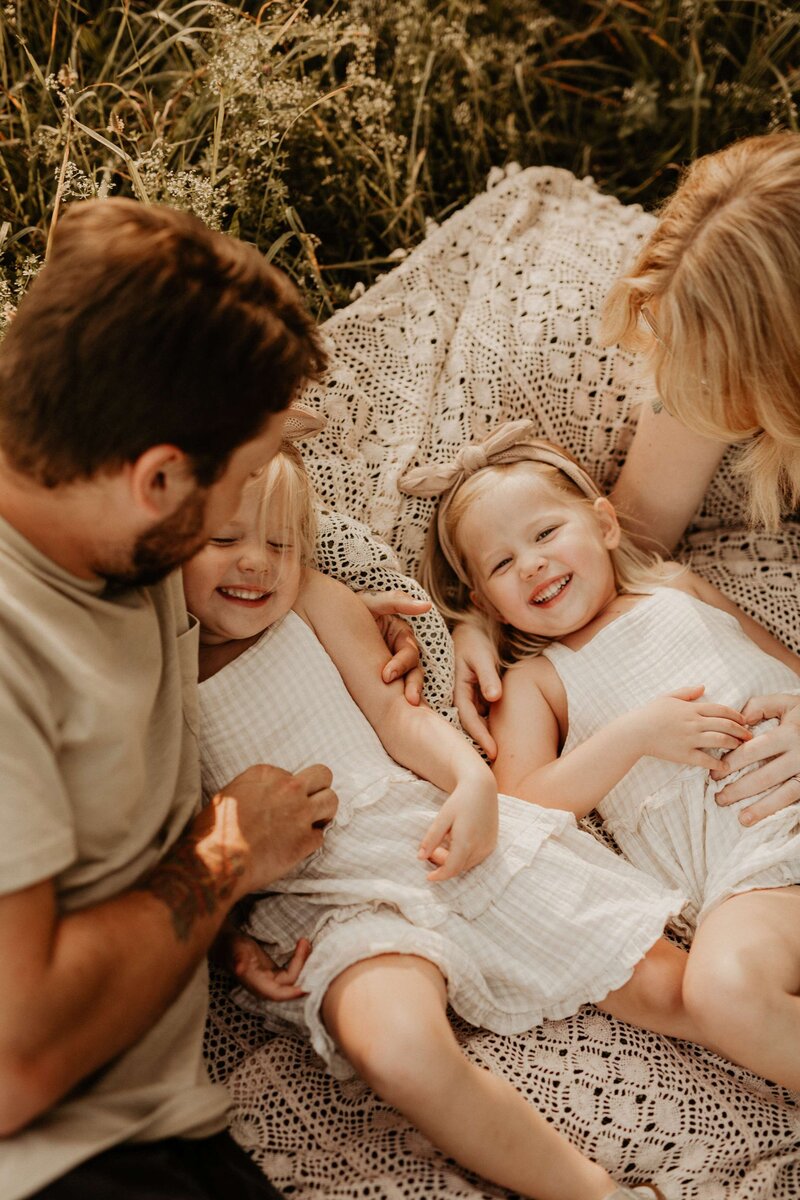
(472, 458)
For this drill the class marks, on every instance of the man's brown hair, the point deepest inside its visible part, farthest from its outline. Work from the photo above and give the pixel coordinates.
(145, 327)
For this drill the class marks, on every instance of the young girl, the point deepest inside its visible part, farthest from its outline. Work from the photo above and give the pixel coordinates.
(630, 676)
(419, 896)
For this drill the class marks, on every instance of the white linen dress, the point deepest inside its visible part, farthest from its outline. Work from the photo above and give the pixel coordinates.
(550, 920)
(664, 816)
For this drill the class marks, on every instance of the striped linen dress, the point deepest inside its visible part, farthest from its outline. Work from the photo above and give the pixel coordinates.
(550, 920)
(663, 815)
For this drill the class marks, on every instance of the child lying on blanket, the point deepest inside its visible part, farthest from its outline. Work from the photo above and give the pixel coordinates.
(420, 895)
(629, 675)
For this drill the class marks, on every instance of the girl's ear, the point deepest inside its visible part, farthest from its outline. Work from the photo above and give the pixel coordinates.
(483, 605)
(606, 516)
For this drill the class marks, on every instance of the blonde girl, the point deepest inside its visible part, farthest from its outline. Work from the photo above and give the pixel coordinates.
(424, 893)
(630, 676)
(713, 303)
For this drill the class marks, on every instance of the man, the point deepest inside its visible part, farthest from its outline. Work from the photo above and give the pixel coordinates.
(144, 377)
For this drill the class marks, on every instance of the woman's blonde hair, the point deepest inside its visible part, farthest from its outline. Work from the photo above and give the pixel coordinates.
(284, 481)
(720, 280)
(444, 581)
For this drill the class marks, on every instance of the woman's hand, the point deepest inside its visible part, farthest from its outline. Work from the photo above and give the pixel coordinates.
(682, 728)
(244, 958)
(477, 683)
(399, 637)
(464, 830)
(778, 753)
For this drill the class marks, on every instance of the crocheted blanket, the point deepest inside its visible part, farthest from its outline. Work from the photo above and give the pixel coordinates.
(495, 316)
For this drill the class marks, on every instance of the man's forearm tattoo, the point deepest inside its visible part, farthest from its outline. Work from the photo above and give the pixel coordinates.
(190, 889)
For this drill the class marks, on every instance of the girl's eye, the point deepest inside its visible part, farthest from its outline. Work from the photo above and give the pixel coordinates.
(543, 533)
(222, 541)
(499, 566)
(282, 547)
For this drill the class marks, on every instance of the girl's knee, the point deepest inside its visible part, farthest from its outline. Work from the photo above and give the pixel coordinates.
(726, 991)
(407, 1057)
(388, 1017)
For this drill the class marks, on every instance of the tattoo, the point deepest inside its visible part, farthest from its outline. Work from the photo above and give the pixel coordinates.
(189, 887)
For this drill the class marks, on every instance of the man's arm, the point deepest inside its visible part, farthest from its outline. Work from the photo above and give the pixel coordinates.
(79, 989)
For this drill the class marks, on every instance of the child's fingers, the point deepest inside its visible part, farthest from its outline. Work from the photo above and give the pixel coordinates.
(412, 686)
(437, 831)
(438, 856)
(722, 712)
(474, 724)
(710, 740)
(296, 963)
(386, 604)
(689, 693)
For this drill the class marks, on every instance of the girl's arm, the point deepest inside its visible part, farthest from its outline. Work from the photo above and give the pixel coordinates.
(666, 473)
(416, 738)
(680, 727)
(527, 734)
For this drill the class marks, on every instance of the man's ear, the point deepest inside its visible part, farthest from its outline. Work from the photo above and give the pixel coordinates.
(606, 516)
(160, 479)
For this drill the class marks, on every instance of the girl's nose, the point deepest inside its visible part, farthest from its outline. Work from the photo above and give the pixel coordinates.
(531, 563)
(253, 560)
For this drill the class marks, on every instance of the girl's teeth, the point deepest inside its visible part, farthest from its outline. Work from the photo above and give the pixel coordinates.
(242, 593)
(552, 591)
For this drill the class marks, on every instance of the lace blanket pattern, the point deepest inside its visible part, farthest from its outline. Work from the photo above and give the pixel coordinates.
(495, 316)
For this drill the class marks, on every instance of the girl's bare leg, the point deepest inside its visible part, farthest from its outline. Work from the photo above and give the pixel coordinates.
(388, 1016)
(653, 997)
(743, 982)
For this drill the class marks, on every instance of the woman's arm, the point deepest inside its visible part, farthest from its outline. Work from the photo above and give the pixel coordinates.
(695, 585)
(666, 473)
(415, 737)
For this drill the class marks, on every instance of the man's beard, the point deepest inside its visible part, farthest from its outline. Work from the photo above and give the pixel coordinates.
(163, 548)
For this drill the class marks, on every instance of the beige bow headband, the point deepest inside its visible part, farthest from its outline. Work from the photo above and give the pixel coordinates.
(514, 441)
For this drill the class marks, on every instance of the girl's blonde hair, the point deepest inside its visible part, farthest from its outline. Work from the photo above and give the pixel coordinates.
(284, 481)
(719, 279)
(445, 581)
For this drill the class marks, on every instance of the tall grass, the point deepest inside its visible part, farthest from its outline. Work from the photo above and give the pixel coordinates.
(330, 134)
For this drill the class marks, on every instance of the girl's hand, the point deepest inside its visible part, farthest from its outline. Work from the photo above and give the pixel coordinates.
(464, 831)
(681, 728)
(399, 637)
(477, 683)
(253, 968)
(778, 752)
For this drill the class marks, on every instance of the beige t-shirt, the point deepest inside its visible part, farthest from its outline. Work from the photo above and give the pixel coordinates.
(99, 775)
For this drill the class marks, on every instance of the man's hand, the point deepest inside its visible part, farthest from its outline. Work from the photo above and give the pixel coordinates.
(263, 823)
(399, 637)
(477, 683)
(777, 751)
(251, 966)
